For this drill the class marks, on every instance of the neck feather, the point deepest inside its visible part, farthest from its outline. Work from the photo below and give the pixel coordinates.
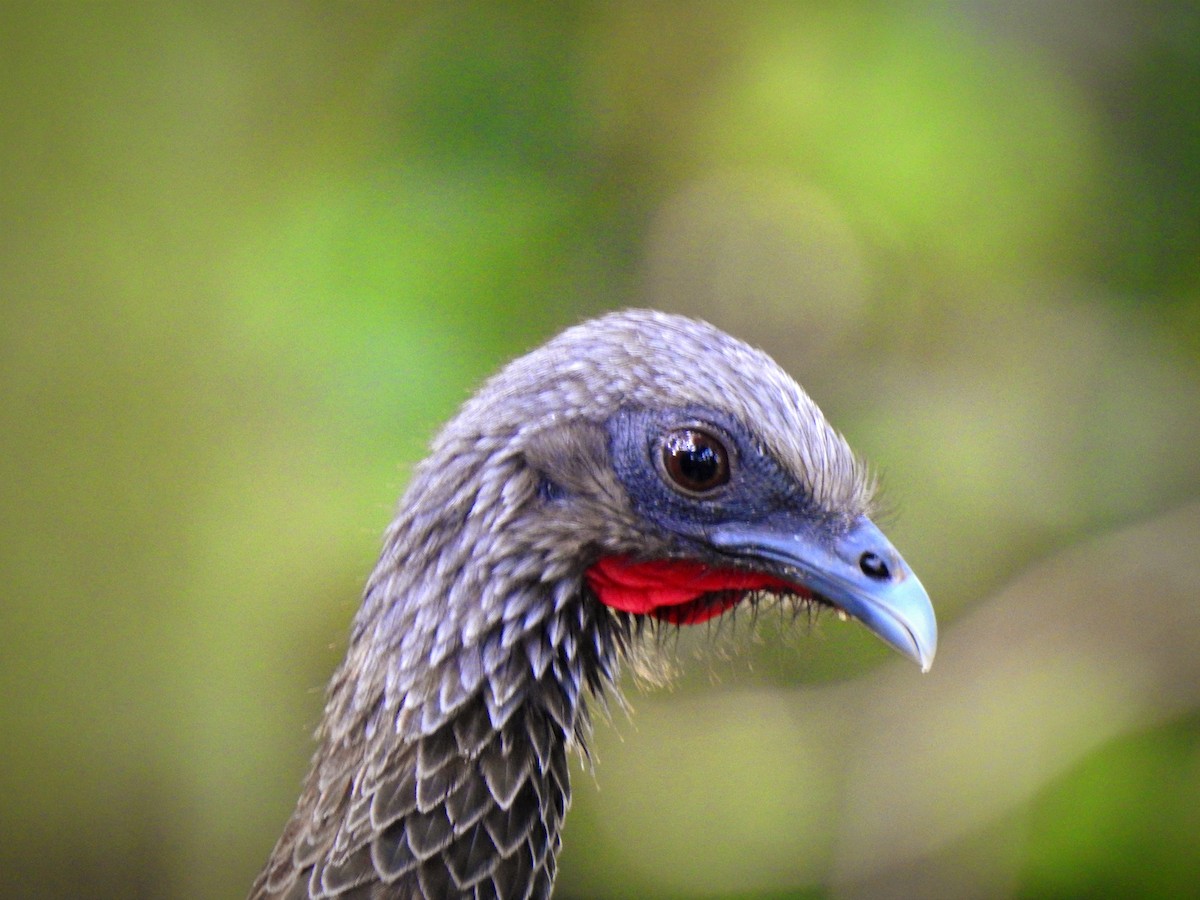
(442, 769)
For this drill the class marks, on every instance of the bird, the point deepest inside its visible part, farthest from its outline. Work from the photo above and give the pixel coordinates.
(640, 471)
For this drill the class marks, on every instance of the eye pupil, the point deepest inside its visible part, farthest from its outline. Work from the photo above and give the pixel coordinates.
(695, 460)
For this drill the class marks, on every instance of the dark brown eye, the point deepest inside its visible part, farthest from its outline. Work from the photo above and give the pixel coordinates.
(695, 460)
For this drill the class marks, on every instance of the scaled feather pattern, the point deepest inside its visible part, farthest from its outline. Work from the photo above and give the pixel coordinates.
(442, 761)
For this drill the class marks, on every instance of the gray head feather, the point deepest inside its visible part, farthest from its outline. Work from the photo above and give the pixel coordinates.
(649, 358)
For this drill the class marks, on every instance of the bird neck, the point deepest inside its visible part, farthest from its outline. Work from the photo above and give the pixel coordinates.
(455, 731)
(492, 630)
(443, 754)
(473, 602)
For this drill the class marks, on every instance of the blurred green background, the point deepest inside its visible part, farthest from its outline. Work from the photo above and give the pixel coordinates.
(253, 254)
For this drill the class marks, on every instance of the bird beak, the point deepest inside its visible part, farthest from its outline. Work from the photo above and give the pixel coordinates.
(857, 571)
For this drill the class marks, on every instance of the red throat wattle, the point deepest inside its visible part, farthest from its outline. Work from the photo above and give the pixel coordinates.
(676, 590)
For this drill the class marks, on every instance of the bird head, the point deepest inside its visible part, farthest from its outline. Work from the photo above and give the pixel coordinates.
(673, 470)
(641, 467)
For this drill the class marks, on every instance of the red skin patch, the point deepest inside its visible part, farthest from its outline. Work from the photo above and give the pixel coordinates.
(677, 590)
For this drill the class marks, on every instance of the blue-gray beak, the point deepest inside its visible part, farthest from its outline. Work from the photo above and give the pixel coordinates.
(856, 570)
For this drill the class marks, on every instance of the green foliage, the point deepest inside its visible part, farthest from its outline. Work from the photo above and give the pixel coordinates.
(1123, 822)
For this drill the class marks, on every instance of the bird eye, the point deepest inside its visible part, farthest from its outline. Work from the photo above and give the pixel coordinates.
(695, 461)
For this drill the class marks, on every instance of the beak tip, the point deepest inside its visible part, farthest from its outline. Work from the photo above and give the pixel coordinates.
(927, 655)
(903, 617)
(922, 632)
(921, 649)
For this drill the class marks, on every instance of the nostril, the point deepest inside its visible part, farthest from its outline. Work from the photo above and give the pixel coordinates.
(873, 565)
